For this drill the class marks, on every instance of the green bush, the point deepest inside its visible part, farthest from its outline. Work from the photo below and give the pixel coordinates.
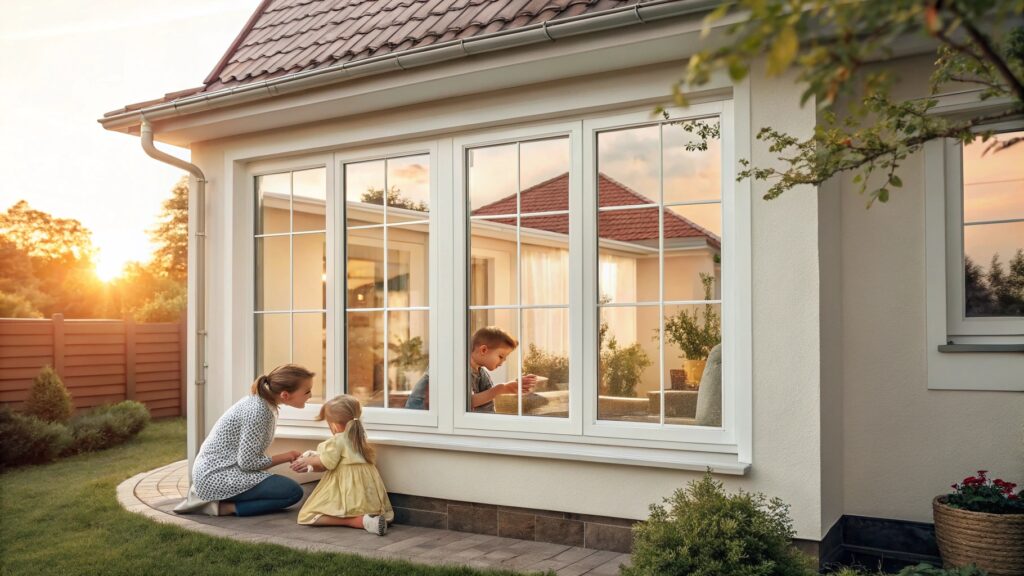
(106, 426)
(542, 363)
(918, 570)
(28, 440)
(705, 532)
(621, 368)
(48, 399)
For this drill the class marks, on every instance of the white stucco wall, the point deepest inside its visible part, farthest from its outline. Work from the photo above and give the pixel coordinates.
(787, 404)
(903, 443)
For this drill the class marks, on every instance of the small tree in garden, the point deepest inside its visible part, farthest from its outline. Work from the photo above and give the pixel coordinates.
(48, 399)
(695, 338)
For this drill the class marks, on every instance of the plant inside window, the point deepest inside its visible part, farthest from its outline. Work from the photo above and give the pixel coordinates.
(555, 367)
(408, 356)
(695, 336)
(621, 368)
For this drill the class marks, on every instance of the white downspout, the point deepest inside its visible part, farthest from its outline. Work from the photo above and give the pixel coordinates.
(146, 135)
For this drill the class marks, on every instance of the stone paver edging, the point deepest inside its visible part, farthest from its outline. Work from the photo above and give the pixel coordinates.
(154, 493)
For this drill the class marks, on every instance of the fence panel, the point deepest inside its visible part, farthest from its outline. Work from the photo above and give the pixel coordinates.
(100, 361)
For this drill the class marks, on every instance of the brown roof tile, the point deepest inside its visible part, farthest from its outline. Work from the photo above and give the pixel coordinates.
(625, 225)
(290, 36)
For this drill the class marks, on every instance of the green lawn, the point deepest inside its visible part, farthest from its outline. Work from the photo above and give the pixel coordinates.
(63, 518)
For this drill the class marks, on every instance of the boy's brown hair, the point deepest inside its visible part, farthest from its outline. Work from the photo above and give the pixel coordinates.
(492, 336)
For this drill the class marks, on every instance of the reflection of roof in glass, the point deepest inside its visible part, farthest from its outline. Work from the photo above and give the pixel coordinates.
(623, 225)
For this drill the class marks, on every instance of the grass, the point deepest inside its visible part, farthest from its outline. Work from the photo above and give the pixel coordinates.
(63, 518)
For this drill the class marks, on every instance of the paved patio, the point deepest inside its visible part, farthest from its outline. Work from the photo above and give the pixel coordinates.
(154, 493)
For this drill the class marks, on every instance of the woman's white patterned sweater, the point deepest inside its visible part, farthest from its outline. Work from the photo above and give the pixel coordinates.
(233, 457)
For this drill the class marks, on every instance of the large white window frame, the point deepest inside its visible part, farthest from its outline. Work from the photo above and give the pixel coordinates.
(580, 436)
(376, 414)
(288, 414)
(960, 348)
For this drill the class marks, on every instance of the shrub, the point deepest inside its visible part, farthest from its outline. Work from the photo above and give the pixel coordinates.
(106, 426)
(29, 440)
(554, 366)
(705, 532)
(694, 338)
(917, 570)
(48, 399)
(621, 368)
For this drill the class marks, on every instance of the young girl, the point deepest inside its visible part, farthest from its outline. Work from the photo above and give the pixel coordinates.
(352, 492)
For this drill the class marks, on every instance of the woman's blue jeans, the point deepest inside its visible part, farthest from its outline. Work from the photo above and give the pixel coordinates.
(273, 494)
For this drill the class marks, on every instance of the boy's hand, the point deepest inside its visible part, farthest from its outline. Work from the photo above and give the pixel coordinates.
(527, 384)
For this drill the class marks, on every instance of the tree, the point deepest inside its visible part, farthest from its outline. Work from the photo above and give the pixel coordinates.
(171, 234)
(979, 46)
(395, 199)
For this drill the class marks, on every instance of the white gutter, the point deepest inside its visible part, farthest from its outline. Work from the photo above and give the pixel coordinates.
(200, 272)
(641, 13)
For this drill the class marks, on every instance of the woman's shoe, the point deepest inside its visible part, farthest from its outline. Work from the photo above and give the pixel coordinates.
(375, 524)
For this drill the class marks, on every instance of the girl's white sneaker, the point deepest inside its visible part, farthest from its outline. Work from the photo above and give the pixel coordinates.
(375, 524)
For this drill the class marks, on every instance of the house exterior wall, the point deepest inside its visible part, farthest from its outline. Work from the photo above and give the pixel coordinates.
(787, 407)
(902, 442)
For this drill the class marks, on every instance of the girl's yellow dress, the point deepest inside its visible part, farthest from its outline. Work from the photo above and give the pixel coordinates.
(351, 486)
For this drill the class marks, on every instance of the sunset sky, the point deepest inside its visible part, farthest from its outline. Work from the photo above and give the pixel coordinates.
(65, 63)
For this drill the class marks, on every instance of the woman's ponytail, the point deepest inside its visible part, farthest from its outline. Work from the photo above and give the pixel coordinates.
(286, 378)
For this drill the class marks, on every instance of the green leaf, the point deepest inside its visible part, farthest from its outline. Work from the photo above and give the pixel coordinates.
(783, 51)
(895, 181)
(883, 195)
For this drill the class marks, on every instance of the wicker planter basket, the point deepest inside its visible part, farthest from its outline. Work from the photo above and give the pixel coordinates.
(995, 542)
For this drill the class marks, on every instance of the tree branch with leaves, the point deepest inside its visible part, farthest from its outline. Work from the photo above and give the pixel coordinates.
(979, 45)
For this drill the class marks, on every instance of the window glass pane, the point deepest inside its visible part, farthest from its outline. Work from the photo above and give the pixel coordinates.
(692, 251)
(992, 181)
(273, 273)
(408, 356)
(408, 266)
(492, 180)
(364, 193)
(409, 183)
(691, 334)
(365, 268)
(490, 360)
(695, 174)
(310, 271)
(628, 255)
(273, 341)
(273, 201)
(545, 351)
(309, 200)
(309, 348)
(492, 249)
(544, 175)
(994, 269)
(544, 262)
(365, 357)
(628, 162)
(628, 366)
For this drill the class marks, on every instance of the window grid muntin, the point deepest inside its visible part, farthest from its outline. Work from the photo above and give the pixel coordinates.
(661, 207)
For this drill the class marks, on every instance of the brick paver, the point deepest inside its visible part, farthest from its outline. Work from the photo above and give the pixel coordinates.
(153, 494)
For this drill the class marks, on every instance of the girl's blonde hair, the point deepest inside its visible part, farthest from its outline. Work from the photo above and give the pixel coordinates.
(346, 410)
(284, 378)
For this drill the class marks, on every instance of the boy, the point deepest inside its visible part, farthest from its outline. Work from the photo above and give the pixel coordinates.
(490, 347)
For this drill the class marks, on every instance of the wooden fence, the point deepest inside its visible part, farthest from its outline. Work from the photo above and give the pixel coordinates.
(100, 361)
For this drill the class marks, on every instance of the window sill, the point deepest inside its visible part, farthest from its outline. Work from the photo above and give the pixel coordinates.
(985, 348)
(646, 457)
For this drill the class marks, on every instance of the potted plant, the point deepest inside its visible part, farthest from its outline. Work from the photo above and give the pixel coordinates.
(409, 358)
(981, 523)
(695, 336)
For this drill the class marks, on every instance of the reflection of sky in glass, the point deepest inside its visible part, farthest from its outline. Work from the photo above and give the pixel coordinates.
(411, 176)
(631, 157)
(993, 181)
(707, 216)
(542, 160)
(360, 177)
(694, 175)
(311, 184)
(492, 174)
(981, 242)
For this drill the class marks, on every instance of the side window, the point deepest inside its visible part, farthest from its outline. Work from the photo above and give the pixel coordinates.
(291, 272)
(992, 227)
(387, 239)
